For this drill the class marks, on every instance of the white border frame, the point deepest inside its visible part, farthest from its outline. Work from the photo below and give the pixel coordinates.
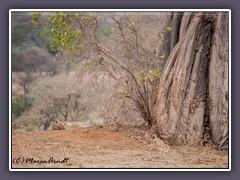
(113, 10)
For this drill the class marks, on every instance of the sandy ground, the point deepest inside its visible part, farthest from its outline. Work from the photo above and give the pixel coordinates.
(107, 148)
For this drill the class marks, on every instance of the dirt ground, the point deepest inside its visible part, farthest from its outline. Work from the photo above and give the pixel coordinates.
(94, 147)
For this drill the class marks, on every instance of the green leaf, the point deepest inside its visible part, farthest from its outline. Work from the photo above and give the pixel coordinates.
(53, 30)
(35, 18)
(150, 36)
(142, 71)
(154, 73)
(74, 34)
(169, 29)
(41, 34)
(87, 18)
(162, 56)
(140, 79)
(160, 42)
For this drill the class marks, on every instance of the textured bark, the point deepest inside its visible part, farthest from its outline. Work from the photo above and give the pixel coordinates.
(165, 48)
(184, 104)
(176, 22)
(218, 82)
(186, 20)
(170, 39)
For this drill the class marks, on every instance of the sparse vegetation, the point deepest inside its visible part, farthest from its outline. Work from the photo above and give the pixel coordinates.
(127, 57)
(113, 81)
(20, 104)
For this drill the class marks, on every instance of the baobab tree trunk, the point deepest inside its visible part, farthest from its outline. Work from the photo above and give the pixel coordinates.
(170, 39)
(192, 102)
(218, 82)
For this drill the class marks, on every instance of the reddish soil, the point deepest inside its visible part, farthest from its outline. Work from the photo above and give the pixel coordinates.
(108, 148)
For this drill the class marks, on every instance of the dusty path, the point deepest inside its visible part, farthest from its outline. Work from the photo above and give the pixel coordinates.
(100, 148)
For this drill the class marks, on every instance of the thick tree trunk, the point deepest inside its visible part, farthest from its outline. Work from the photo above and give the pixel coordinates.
(218, 82)
(191, 100)
(171, 38)
(186, 20)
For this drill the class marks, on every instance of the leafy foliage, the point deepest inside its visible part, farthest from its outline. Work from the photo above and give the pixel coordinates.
(169, 29)
(68, 33)
(125, 53)
(22, 35)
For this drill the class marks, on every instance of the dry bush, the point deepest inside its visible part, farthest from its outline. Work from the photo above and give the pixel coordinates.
(46, 90)
(130, 60)
(115, 108)
(17, 89)
(95, 97)
(119, 69)
(124, 45)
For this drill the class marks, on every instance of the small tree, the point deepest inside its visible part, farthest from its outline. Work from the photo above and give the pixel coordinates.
(25, 80)
(20, 104)
(123, 50)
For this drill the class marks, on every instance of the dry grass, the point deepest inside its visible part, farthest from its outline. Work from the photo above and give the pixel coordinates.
(109, 148)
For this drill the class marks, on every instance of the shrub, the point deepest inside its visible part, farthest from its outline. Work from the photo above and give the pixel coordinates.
(20, 104)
